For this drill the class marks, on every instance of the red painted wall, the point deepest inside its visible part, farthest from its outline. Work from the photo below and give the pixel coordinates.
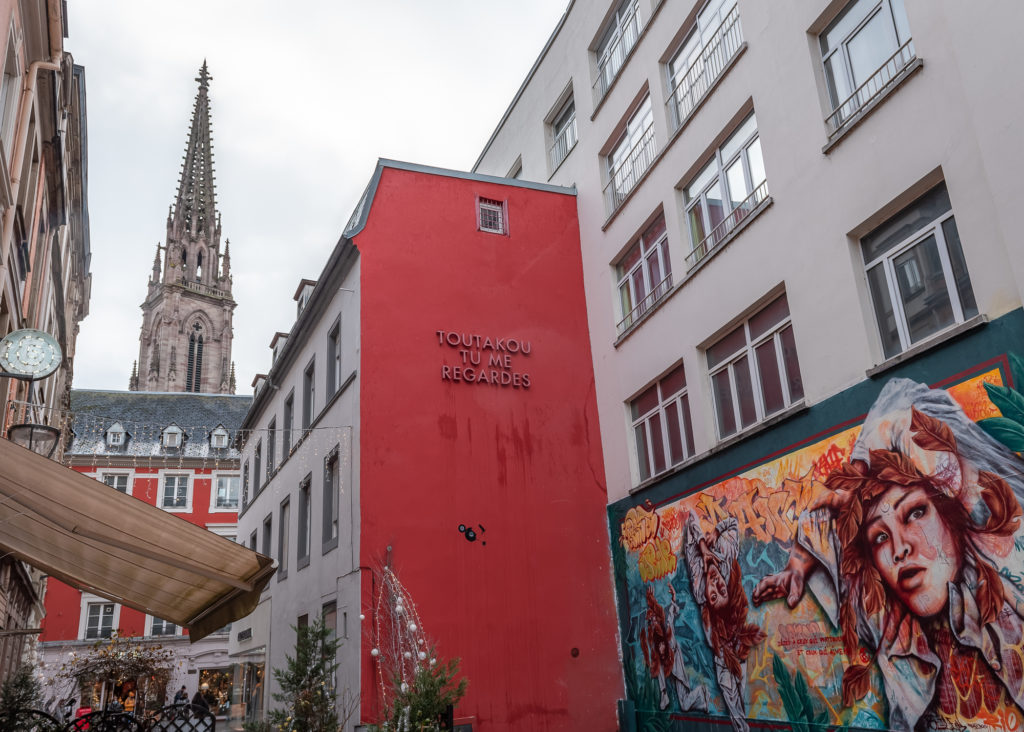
(63, 603)
(528, 606)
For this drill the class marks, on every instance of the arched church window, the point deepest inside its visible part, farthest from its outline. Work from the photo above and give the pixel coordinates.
(194, 368)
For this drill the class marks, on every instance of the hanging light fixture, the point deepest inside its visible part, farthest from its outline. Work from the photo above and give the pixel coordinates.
(39, 438)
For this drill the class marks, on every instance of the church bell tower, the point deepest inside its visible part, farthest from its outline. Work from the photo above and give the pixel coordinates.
(185, 343)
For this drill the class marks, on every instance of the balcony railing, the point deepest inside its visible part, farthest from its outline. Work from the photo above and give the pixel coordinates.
(201, 288)
(728, 225)
(645, 304)
(611, 60)
(564, 142)
(871, 89)
(702, 74)
(627, 174)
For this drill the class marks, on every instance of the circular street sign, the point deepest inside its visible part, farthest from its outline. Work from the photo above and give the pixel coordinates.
(29, 353)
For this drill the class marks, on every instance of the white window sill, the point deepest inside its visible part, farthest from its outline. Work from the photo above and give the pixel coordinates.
(953, 331)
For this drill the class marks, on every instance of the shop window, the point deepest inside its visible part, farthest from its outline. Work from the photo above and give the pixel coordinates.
(754, 369)
(917, 274)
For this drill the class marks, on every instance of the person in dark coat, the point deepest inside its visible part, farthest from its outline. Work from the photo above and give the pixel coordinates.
(199, 700)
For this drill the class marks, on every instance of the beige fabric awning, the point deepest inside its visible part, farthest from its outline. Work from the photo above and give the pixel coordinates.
(102, 541)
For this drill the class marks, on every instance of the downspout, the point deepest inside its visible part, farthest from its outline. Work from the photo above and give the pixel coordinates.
(21, 143)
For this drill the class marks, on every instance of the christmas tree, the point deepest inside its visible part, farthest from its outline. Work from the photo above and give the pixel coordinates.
(307, 684)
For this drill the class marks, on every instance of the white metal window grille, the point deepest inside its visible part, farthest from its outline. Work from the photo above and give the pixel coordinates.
(227, 491)
(661, 424)
(623, 31)
(117, 481)
(863, 51)
(563, 130)
(631, 156)
(917, 274)
(729, 188)
(100, 620)
(175, 491)
(715, 39)
(163, 627)
(491, 215)
(754, 369)
(645, 274)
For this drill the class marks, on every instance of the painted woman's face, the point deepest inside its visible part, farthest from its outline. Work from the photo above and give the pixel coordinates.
(913, 549)
(715, 590)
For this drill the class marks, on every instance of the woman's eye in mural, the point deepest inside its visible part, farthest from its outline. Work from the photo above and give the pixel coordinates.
(878, 538)
(915, 513)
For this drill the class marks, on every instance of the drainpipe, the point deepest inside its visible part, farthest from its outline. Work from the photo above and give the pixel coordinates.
(20, 144)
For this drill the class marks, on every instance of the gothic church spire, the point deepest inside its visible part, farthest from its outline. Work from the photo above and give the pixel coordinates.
(195, 208)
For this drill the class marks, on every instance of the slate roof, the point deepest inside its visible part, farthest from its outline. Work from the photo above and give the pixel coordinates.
(144, 415)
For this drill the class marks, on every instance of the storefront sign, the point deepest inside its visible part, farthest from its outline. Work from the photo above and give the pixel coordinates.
(485, 360)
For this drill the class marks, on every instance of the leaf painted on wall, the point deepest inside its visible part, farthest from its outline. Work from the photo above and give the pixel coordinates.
(1004, 430)
(894, 467)
(931, 433)
(1017, 370)
(1004, 509)
(790, 700)
(1009, 401)
(856, 683)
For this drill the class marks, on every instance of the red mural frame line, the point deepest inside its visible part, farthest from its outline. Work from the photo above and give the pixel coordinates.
(1001, 361)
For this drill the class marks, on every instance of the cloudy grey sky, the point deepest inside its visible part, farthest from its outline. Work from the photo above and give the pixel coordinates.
(306, 95)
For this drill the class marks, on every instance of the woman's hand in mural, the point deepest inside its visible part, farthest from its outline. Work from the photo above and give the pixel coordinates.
(788, 583)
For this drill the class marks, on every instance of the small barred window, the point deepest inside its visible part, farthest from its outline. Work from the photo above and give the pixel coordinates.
(491, 215)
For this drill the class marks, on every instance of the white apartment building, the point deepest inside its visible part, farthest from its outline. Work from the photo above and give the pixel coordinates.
(783, 206)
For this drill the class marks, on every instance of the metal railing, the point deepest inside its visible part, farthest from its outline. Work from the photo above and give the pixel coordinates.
(625, 176)
(611, 61)
(728, 225)
(702, 73)
(871, 89)
(565, 140)
(645, 304)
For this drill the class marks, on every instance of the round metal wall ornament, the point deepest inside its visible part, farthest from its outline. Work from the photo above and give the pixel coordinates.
(29, 354)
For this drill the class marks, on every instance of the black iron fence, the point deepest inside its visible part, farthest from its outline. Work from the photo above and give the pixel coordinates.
(172, 718)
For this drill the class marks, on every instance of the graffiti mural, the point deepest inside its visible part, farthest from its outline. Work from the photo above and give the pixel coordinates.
(873, 578)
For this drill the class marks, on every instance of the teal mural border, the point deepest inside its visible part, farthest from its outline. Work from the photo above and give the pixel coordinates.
(947, 363)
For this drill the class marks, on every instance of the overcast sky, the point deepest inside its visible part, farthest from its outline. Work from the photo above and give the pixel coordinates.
(305, 96)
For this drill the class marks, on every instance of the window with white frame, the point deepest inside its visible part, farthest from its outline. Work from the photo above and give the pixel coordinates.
(721, 196)
(99, 620)
(661, 424)
(563, 133)
(172, 437)
(491, 216)
(631, 155)
(117, 481)
(715, 38)
(644, 274)
(162, 627)
(116, 435)
(226, 493)
(754, 369)
(219, 438)
(917, 274)
(618, 40)
(862, 51)
(175, 491)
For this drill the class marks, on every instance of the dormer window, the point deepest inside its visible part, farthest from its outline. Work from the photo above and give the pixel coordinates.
(219, 438)
(302, 294)
(172, 437)
(116, 435)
